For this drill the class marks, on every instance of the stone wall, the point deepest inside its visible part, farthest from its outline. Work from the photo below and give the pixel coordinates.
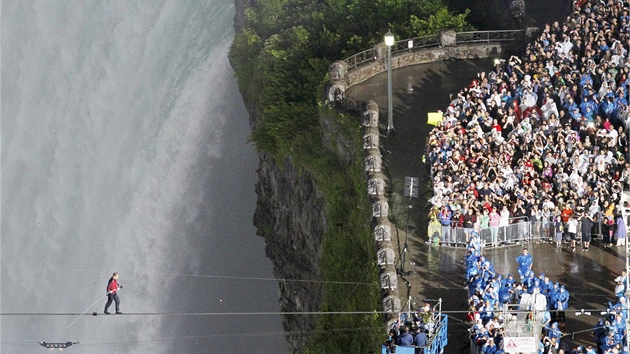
(376, 179)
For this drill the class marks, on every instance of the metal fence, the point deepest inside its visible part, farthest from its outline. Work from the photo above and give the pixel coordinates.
(366, 56)
(518, 231)
(436, 342)
(489, 36)
(413, 44)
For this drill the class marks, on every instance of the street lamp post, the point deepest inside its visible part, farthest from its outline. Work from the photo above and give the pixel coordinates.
(389, 42)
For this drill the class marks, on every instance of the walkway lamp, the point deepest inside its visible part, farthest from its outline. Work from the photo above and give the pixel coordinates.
(389, 42)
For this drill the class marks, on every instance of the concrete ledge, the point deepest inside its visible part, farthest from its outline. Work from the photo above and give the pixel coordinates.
(422, 56)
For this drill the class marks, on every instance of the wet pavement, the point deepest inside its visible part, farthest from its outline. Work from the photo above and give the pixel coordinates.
(436, 272)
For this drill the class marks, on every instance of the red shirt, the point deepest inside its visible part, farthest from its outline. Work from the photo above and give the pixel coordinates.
(566, 214)
(113, 286)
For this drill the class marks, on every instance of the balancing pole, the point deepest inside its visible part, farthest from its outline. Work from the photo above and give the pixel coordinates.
(86, 310)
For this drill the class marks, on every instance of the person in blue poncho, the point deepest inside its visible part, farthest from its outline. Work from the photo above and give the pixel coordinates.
(528, 280)
(555, 334)
(545, 287)
(563, 304)
(491, 295)
(586, 80)
(545, 322)
(504, 294)
(552, 301)
(607, 342)
(524, 261)
(534, 287)
(487, 272)
(509, 280)
(608, 107)
(622, 307)
(486, 311)
(569, 104)
(619, 325)
(621, 98)
(588, 108)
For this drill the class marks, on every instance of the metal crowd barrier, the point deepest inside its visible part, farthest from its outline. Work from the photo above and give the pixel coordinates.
(518, 231)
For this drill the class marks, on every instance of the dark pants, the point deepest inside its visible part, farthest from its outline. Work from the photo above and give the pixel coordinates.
(110, 298)
(562, 316)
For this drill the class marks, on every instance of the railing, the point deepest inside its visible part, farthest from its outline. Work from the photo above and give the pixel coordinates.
(361, 58)
(520, 230)
(548, 232)
(517, 231)
(489, 36)
(413, 44)
(435, 345)
(409, 45)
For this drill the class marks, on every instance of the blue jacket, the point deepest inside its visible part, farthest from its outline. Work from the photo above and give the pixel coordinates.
(524, 263)
(545, 288)
(553, 298)
(420, 340)
(445, 217)
(405, 339)
(588, 104)
(504, 294)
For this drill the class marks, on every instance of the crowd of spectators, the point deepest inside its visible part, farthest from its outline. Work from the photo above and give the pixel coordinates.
(543, 138)
(540, 135)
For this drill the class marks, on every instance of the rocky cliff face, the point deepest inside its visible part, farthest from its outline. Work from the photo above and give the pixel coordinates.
(290, 216)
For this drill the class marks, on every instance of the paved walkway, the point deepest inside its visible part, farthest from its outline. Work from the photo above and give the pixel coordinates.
(436, 271)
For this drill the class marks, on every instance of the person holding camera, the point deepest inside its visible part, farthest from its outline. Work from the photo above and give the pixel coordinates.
(390, 342)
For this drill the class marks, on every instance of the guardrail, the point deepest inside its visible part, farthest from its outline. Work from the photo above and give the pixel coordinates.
(489, 36)
(416, 43)
(413, 44)
(436, 342)
(366, 56)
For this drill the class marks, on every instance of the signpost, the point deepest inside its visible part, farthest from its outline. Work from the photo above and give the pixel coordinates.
(411, 191)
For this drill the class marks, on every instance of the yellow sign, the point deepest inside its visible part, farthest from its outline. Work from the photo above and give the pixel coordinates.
(434, 118)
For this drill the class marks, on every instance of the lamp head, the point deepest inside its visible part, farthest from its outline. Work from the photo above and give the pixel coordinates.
(389, 39)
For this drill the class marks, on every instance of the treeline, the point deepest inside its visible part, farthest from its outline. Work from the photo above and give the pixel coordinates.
(281, 58)
(284, 50)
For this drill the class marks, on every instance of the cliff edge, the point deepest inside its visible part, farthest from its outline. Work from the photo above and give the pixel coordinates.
(289, 215)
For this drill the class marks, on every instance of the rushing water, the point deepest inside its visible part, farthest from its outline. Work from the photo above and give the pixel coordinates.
(124, 148)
